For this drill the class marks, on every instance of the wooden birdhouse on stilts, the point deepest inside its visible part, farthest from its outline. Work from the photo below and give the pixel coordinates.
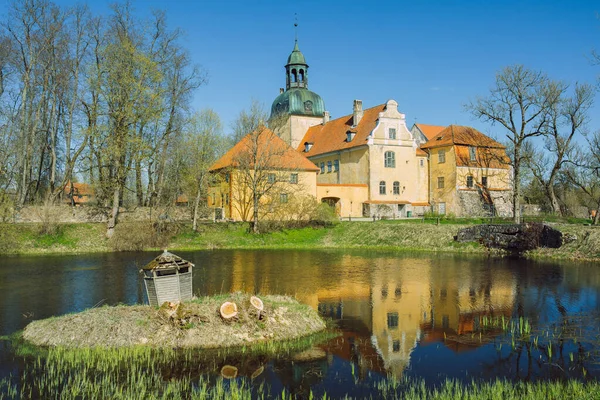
(168, 278)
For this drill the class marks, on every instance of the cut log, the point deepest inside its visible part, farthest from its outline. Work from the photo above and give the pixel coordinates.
(257, 303)
(229, 372)
(228, 310)
(256, 373)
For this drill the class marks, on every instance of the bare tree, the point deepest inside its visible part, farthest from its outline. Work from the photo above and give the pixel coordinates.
(201, 145)
(567, 117)
(584, 173)
(520, 102)
(248, 121)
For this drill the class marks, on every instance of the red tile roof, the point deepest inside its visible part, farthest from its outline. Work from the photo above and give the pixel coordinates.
(271, 150)
(332, 136)
(465, 135)
(430, 130)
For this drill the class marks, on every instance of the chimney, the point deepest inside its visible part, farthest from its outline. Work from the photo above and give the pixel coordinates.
(325, 117)
(357, 111)
(281, 90)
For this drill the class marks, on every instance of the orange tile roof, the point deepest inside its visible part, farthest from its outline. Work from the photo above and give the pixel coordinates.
(465, 135)
(430, 130)
(387, 202)
(271, 150)
(332, 136)
(421, 153)
(79, 189)
(420, 204)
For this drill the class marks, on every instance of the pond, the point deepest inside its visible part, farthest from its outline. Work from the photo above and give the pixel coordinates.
(428, 317)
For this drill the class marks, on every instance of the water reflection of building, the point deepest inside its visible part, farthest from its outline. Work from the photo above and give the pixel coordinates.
(398, 303)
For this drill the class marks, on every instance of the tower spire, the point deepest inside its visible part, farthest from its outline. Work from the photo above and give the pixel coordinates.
(296, 28)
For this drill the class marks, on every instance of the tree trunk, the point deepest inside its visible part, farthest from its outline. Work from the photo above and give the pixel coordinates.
(139, 191)
(553, 199)
(196, 205)
(255, 216)
(112, 221)
(517, 187)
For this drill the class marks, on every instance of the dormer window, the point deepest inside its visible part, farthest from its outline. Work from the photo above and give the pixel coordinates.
(307, 147)
(350, 135)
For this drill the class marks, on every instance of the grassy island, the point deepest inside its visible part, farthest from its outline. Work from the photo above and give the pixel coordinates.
(198, 324)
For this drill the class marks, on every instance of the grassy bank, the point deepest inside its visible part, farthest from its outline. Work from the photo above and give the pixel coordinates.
(405, 235)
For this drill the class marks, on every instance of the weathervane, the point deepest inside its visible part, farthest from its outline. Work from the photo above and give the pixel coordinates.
(296, 26)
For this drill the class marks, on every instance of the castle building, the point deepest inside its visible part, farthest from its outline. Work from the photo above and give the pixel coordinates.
(369, 164)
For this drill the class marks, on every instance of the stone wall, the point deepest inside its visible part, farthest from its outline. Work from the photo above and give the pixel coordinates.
(68, 214)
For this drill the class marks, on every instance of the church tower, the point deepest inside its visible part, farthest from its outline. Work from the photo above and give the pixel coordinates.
(296, 108)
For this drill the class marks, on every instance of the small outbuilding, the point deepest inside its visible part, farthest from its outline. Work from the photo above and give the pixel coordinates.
(168, 278)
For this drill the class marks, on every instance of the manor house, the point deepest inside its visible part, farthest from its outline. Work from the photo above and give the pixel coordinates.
(369, 163)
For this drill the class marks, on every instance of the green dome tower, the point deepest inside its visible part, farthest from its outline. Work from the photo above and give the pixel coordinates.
(297, 99)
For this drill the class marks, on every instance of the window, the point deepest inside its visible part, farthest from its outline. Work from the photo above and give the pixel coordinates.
(382, 187)
(441, 156)
(336, 165)
(396, 346)
(293, 178)
(469, 181)
(396, 187)
(322, 167)
(227, 178)
(392, 133)
(440, 182)
(328, 166)
(473, 153)
(349, 136)
(307, 147)
(421, 162)
(271, 178)
(484, 181)
(283, 198)
(441, 208)
(392, 320)
(389, 159)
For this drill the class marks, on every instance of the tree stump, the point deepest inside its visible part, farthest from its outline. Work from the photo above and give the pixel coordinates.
(228, 310)
(257, 304)
(229, 372)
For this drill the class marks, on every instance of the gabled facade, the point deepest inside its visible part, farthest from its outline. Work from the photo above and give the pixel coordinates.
(469, 173)
(369, 163)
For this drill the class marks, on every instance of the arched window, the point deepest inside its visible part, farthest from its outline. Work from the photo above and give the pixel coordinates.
(301, 78)
(396, 187)
(294, 75)
(390, 159)
(382, 187)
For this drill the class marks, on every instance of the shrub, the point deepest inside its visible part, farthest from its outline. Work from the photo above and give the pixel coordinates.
(140, 235)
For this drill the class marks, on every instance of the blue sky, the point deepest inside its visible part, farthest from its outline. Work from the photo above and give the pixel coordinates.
(432, 57)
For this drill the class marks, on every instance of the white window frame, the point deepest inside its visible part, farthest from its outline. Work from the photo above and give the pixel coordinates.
(389, 159)
(382, 188)
(392, 133)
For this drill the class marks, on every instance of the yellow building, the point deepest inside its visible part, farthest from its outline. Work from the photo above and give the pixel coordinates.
(469, 173)
(261, 165)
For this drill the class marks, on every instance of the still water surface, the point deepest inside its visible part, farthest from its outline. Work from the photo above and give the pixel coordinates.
(421, 316)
